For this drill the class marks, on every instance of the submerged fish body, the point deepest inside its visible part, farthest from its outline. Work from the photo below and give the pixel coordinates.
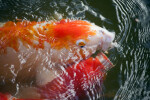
(40, 50)
(80, 81)
(76, 82)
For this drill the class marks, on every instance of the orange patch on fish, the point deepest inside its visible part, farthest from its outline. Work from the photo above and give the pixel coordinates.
(59, 34)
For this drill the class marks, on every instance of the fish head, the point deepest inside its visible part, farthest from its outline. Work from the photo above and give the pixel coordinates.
(79, 39)
(103, 38)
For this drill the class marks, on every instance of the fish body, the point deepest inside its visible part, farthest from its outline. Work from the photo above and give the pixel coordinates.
(77, 81)
(34, 34)
(80, 81)
(40, 50)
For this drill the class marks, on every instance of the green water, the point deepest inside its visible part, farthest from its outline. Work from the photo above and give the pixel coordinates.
(129, 19)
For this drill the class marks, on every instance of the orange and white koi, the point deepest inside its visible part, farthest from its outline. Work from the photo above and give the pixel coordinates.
(42, 48)
(66, 32)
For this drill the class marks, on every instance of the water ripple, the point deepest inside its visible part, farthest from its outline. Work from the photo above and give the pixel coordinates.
(131, 58)
(134, 38)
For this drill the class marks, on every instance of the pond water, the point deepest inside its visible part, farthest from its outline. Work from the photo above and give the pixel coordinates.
(129, 19)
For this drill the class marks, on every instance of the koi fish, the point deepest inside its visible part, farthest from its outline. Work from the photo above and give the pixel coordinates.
(76, 82)
(41, 49)
(79, 82)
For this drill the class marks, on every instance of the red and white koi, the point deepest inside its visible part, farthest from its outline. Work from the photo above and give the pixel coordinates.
(77, 81)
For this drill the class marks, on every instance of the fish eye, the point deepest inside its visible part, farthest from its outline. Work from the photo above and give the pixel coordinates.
(81, 43)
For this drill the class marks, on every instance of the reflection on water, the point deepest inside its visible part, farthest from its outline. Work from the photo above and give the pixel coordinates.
(129, 79)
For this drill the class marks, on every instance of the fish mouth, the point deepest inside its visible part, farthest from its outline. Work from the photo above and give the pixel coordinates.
(104, 60)
(96, 53)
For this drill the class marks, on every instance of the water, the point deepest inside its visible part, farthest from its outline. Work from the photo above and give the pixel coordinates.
(129, 19)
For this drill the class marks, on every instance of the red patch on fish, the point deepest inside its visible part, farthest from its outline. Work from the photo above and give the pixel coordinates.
(3, 97)
(78, 81)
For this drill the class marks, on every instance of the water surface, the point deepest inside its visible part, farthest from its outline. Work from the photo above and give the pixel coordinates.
(129, 19)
